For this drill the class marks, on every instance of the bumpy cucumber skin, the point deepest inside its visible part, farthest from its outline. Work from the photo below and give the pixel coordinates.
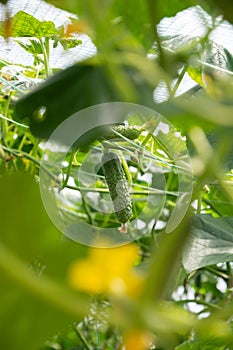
(118, 186)
(130, 132)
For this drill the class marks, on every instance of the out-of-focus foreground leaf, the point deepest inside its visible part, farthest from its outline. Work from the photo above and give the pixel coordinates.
(78, 87)
(226, 8)
(31, 248)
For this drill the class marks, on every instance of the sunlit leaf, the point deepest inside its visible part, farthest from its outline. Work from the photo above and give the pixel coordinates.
(196, 74)
(25, 25)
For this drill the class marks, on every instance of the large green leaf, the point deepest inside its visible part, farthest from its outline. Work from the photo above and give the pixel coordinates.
(207, 54)
(78, 87)
(24, 24)
(211, 242)
(33, 262)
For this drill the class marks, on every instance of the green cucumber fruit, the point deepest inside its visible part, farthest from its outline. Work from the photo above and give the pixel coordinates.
(130, 132)
(118, 186)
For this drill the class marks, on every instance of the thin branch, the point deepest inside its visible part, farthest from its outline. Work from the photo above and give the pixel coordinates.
(82, 338)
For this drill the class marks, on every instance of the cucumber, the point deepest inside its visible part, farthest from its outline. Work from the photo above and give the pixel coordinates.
(131, 132)
(118, 186)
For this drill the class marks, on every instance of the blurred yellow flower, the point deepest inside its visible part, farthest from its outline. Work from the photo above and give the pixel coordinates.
(77, 27)
(108, 271)
(137, 339)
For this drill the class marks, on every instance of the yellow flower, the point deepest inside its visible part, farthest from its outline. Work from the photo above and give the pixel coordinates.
(108, 271)
(137, 339)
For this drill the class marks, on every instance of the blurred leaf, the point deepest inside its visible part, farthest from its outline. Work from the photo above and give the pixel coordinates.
(207, 344)
(31, 234)
(226, 8)
(24, 24)
(135, 17)
(34, 249)
(168, 8)
(26, 322)
(78, 87)
(30, 231)
(207, 115)
(103, 15)
(210, 242)
(68, 5)
(218, 201)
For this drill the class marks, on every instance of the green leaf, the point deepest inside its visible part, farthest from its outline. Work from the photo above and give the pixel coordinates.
(31, 235)
(210, 343)
(25, 322)
(68, 5)
(69, 43)
(210, 242)
(168, 8)
(25, 25)
(226, 7)
(113, 19)
(196, 74)
(135, 16)
(31, 251)
(34, 47)
(216, 56)
(218, 201)
(78, 87)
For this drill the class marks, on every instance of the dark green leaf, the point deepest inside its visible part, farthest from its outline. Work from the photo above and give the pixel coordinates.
(226, 8)
(78, 87)
(211, 242)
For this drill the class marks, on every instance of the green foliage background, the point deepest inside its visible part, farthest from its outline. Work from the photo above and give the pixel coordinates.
(39, 310)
